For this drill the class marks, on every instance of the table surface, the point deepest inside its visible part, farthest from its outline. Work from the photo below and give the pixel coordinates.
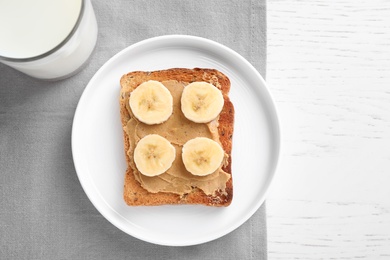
(328, 69)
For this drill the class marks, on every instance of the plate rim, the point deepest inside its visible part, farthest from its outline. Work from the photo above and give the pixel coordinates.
(275, 117)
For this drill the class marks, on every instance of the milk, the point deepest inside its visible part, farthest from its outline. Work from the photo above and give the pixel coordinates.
(47, 39)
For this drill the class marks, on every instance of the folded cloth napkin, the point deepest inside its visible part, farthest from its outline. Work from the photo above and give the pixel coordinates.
(45, 213)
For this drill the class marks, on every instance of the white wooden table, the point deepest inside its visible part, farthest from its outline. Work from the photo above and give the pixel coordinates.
(328, 69)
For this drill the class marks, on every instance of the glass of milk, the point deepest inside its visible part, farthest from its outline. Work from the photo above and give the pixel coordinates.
(47, 39)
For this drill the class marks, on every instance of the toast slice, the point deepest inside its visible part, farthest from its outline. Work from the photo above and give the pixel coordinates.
(134, 194)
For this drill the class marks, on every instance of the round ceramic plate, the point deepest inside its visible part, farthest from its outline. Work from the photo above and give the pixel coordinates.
(97, 142)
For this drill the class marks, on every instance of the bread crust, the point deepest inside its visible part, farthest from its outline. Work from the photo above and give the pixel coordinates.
(133, 193)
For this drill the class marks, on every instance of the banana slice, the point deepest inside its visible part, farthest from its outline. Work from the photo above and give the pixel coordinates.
(151, 102)
(202, 156)
(201, 102)
(154, 155)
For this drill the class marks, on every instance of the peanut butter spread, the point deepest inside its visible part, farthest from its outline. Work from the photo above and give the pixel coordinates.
(178, 130)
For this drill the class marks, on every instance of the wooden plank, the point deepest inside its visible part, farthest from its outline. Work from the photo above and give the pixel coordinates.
(328, 69)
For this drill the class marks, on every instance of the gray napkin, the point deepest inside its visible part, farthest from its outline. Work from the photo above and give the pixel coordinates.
(45, 214)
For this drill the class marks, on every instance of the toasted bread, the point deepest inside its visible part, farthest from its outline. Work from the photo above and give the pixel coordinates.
(134, 194)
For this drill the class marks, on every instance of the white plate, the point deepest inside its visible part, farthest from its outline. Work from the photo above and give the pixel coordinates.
(99, 155)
